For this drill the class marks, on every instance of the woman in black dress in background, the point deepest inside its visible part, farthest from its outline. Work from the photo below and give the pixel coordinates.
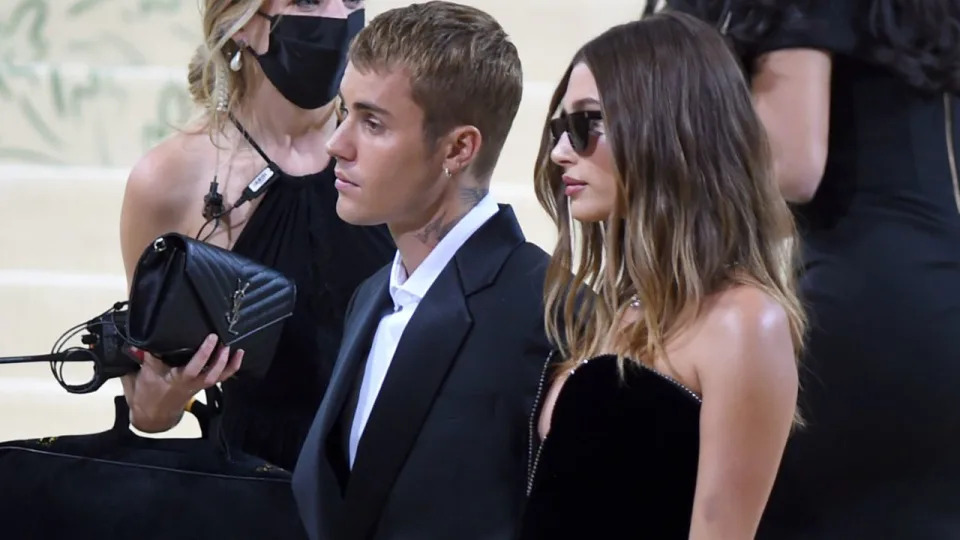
(860, 101)
(669, 416)
(268, 76)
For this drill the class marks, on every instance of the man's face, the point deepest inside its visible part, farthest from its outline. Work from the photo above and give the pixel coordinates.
(386, 173)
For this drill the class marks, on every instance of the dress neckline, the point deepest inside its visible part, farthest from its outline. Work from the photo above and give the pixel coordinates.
(283, 176)
(690, 395)
(679, 385)
(288, 184)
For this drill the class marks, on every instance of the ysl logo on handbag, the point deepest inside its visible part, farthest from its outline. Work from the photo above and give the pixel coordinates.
(233, 316)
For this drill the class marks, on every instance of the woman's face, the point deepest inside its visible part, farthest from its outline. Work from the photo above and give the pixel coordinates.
(256, 32)
(582, 150)
(301, 46)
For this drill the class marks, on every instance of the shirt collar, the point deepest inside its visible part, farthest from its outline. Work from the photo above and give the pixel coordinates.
(408, 290)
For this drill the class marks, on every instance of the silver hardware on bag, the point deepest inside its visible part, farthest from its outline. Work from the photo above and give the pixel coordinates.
(159, 245)
(233, 316)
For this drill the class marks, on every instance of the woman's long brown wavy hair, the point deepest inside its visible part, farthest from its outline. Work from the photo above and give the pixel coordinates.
(698, 209)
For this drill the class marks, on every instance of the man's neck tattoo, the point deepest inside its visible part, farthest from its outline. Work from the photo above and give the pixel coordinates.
(471, 196)
(437, 229)
(434, 232)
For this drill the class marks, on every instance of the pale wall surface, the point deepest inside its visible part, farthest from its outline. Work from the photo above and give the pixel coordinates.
(86, 86)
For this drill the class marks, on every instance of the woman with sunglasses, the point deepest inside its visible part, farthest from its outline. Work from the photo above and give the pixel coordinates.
(861, 99)
(267, 76)
(670, 412)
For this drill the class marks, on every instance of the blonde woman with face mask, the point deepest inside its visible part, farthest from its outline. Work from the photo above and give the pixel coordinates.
(267, 76)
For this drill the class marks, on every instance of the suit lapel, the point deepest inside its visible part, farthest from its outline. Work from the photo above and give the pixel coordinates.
(427, 350)
(354, 349)
(317, 476)
(429, 344)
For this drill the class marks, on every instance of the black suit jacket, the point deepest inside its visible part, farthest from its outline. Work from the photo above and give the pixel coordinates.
(444, 454)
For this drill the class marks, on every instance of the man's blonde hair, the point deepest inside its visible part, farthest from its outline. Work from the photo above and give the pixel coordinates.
(462, 66)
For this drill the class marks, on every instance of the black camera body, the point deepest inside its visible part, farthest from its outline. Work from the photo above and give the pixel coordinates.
(105, 346)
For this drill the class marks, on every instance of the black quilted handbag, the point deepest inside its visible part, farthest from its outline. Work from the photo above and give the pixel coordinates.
(184, 289)
(119, 485)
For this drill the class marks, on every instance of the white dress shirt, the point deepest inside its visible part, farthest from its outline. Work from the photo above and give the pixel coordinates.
(407, 292)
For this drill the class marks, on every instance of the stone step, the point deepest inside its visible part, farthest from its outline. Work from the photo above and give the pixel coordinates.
(33, 315)
(41, 412)
(166, 32)
(59, 220)
(34, 406)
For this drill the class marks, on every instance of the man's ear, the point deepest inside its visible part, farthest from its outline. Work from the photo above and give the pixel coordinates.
(463, 145)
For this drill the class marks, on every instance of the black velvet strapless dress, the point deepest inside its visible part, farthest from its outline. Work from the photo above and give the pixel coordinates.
(620, 460)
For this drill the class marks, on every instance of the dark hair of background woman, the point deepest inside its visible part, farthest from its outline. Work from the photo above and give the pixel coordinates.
(919, 40)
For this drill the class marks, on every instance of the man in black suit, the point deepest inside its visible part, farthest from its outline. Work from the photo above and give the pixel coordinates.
(425, 429)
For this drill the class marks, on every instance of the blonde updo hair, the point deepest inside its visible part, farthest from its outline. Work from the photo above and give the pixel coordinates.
(221, 20)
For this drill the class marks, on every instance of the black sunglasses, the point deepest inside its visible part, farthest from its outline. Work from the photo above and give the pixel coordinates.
(577, 126)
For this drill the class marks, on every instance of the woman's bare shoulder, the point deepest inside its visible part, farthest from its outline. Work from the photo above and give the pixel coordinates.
(165, 179)
(750, 331)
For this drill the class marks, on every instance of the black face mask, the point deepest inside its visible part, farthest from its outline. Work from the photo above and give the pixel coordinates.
(307, 55)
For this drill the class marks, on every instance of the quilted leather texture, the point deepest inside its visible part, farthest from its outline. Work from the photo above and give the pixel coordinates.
(189, 289)
(240, 296)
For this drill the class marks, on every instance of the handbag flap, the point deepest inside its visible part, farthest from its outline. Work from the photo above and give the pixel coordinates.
(239, 295)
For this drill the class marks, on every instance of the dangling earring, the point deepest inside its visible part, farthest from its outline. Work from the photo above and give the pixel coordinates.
(221, 89)
(446, 171)
(237, 61)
